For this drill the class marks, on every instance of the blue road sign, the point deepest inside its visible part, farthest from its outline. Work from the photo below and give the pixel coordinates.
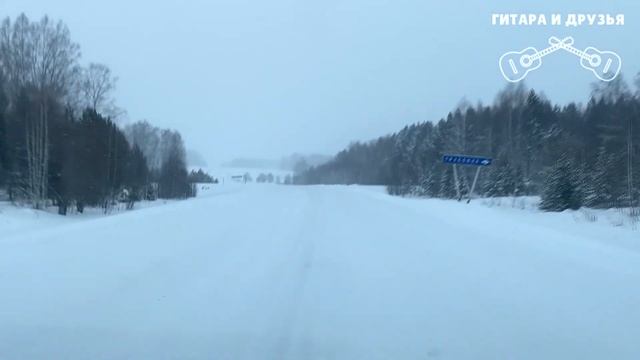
(466, 160)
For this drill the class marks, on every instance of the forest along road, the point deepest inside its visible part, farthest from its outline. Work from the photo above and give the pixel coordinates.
(326, 272)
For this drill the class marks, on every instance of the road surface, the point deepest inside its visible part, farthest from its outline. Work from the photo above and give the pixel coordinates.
(326, 272)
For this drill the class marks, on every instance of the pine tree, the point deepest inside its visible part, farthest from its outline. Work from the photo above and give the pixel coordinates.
(430, 183)
(137, 176)
(598, 188)
(502, 181)
(173, 178)
(561, 189)
(519, 185)
(4, 151)
(447, 184)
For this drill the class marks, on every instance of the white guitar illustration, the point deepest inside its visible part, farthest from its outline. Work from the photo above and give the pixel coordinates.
(605, 65)
(515, 65)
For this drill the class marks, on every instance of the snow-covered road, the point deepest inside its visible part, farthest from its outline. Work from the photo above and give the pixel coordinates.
(286, 272)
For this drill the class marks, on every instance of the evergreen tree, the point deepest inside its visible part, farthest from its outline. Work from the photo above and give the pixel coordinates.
(200, 177)
(4, 151)
(173, 180)
(430, 183)
(598, 185)
(137, 176)
(562, 188)
(60, 160)
(524, 134)
(447, 184)
(500, 182)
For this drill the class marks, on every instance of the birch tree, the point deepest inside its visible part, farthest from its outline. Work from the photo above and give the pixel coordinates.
(38, 57)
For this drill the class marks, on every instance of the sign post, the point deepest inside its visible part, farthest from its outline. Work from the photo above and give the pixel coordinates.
(478, 161)
(455, 181)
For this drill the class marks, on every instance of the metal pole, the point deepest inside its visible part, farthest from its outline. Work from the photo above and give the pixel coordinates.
(455, 179)
(473, 186)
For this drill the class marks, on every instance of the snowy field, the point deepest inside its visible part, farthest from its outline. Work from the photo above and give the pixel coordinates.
(319, 272)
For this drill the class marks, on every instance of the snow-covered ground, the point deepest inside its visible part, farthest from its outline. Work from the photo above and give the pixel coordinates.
(318, 272)
(22, 219)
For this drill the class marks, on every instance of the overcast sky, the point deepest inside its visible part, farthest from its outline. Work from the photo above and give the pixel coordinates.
(244, 78)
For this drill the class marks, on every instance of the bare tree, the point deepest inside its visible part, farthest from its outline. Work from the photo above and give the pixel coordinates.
(97, 84)
(147, 138)
(95, 88)
(39, 57)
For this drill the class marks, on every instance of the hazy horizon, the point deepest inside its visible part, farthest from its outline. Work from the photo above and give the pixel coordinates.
(266, 80)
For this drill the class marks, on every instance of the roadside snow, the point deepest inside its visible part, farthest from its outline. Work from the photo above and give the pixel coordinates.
(20, 220)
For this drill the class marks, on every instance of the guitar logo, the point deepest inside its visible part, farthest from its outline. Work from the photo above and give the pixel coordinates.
(516, 65)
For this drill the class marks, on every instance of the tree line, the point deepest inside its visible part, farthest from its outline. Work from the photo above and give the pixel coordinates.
(572, 155)
(59, 141)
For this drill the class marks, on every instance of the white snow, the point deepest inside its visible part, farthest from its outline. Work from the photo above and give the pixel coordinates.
(317, 272)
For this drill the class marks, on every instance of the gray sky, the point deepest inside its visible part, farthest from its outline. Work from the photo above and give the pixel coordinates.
(268, 78)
